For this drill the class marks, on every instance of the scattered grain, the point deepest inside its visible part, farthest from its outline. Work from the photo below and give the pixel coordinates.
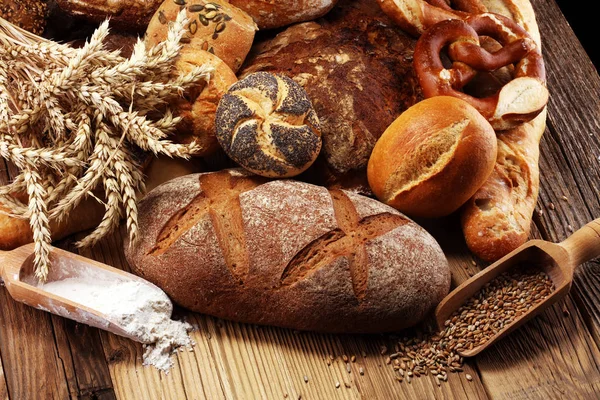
(495, 306)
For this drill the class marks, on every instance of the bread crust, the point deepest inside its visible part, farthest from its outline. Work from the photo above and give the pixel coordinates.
(27, 14)
(215, 26)
(433, 158)
(131, 15)
(498, 218)
(269, 14)
(199, 106)
(295, 254)
(267, 124)
(357, 70)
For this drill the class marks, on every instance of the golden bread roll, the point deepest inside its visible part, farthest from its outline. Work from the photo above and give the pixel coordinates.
(274, 14)
(433, 157)
(266, 123)
(199, 106)
(215, 26)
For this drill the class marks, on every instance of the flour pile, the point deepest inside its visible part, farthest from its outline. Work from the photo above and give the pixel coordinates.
(142, 310)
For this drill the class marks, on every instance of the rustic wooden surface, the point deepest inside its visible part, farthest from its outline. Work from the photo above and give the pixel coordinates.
(555, 356)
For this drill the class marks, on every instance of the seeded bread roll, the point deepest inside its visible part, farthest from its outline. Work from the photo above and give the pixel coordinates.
(270, 14)
(27, 14)
(287, 253)
(198, 106)
(132, 15)
(266, 123)
(215, 26)
(433, 157)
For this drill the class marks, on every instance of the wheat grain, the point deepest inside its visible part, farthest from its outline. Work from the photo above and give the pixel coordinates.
(71, 118)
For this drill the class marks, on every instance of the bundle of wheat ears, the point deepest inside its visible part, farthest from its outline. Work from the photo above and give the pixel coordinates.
(71, 119)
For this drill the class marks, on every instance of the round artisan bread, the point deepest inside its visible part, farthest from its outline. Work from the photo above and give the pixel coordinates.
(198, 106)
(27, 14)
(266, 123)
(215, 26)
(433, 157)
(270, 14)
(287, 253)
(133, 15)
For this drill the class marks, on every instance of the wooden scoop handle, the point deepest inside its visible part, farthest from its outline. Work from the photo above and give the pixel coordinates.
(584, 244)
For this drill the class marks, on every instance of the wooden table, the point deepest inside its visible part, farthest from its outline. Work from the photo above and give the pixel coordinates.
(555, 356)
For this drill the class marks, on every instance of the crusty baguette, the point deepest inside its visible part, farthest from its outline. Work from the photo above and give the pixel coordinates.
(498, 217)
(287, 253)
(15, 232)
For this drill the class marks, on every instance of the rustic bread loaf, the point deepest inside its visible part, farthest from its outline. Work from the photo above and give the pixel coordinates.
(270, 14)
(215, 26)
(433, 157)
(287, 253)
(27, 14)
(356, 67)
(132, 15)
(267, 124)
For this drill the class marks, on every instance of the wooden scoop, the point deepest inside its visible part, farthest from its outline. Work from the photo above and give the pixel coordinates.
(557, 260)
(16, 270)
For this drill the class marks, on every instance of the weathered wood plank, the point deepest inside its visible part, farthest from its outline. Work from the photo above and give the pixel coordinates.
(3, 387)
(573, 146)
(235, 361)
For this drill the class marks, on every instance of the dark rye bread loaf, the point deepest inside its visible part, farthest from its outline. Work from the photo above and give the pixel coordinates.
(287, 253)
(356, 66)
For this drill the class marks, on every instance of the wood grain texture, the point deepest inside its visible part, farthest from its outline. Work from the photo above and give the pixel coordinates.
(3, 387)
(555, 356)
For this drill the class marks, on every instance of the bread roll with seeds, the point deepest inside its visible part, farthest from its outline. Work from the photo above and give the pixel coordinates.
(27, 14)
(267, 124)
(215, 26)
(433, 157)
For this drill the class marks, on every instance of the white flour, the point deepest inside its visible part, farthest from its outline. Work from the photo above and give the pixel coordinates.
(142, 310)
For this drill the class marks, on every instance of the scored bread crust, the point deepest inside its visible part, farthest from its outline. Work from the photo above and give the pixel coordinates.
(287, 253)
(497, 219)
(131, 15)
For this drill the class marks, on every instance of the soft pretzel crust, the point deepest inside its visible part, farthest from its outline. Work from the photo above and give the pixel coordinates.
(520, 100)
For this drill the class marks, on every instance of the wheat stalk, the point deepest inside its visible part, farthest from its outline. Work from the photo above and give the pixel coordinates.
(71, 118)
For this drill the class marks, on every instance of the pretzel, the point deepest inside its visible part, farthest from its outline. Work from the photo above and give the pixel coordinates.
(415, 16)
(519, 100)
